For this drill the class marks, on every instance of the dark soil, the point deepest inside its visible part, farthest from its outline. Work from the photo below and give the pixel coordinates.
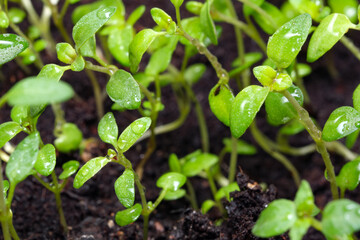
(90, 210)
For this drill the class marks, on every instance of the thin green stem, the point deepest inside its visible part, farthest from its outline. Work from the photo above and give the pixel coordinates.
(316, 224)
(145, 227)
(4, 211)
(97, 68)
(13, 232)
(342, 150)
(351, 46)
(45, 184)
(57, 193)
(233, 160)
(202, 125)
(214, 190)
(192, 195)
(3, 99)
(10, 197)
(315, 133)
(97, 93)
(300, 83)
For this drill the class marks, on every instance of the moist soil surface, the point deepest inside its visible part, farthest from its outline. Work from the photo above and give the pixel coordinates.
(90, 210)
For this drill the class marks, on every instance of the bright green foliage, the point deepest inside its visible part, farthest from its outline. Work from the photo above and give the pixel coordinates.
(36, 91)
(303, 70)
(89, 170)
(69, 139)
(327, 34)
(20, 114)
(285, 44)
(194, 7)
(65, 53)
(249, 60)
(342, 122)
(199, 163)
(136, 14)
(16, 15)
(220, 100)
(163, 19)
(174, 195)
(46, 160)
(292, 128)
(347, 7)
(340, 218)
(6, 185)
(78, 64)
(304, 201)
(10, 46)
(52, 72)
(69, 168)
(177, 3)
(245, 107)
(89, 24)
(194, 72)
(108, 129)
(8, 130)
(40, 45)
(356, 98)
(4, 20)
(127, 216)
(299, 229)
(124, 90)
(89, 48)
(118, 43)
(265, 74)
(249, 10)
(242, 147)
(307, 6)
(349, 176)
(139, 45)
(171, 181)
(276, 15)
(193, 27)
(125, 189)
(279, 110)
(224, 192)
(206, 22)
(23, 159)
(276, 219)
(174, 163)
(133, 132)
(351, 139)
(207, 205)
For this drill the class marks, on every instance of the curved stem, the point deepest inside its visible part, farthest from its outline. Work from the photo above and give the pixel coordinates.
(57, 193)
(315, 133)
(192, 196)
(233, 160)
(351, 46)
(97, 93)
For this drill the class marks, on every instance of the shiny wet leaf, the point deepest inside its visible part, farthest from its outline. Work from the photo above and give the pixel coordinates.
(125, 189)
(171, 181)
(108, 129)
(133, 132)
(127, 216)
(10, 46)
(220, 100)
(46, 160)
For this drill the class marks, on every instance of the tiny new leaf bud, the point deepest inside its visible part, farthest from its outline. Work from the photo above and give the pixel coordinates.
(78, 65)
(65, 53)
(194, 7)
(4, 20)
(161, 18)
(177, 3)
(281, 82)
(265, 75)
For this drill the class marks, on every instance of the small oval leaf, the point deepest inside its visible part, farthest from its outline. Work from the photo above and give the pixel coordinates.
(52, 72)
(69, 139)
(133, 132)
(108, 129)
(199, 163)
(89, 170)
(125, 189)
(304, 200)
(10, 46)
(8, 130)
(171, 181)
(174, 195)
(245, 107)
(327, 34)
(127, 216)
(224, 192)
(220, 100)
(69, 168)
(206, 22)
(342, 122)
(118, 42)
(349, 176)
(46, 160)
(124, 90)
(285, 44)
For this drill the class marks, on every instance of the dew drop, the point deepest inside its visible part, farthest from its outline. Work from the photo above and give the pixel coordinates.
(357, 124)
(105, 13)
(138, 128)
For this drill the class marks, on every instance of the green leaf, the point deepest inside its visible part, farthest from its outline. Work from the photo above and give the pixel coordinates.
(248, 10)
(52, 72)
(78, 64)
(349, 176)
(285, 44)
(177, 3)
(6, 187)
(69, 139)
(347, 7)
(108, 129)
(69, 168)
(206, 22)
(224, 192)
(292, 128)
(118, 43)
(139, 45)
(279, 110)
(340, 218)
(242, 147)
(133, 132)
(199, 163)
(174, 195)
(37, 91)
(174, 163)
(20, 114)
(89, 170)
(8, 130)
(299, 229)
(356, 98)
(4, 20)
(352, 138)
(342, 122)
(125, 189)
(16, 15)
(245, 107)
(161, 18)
(39, 45)
(307, 6)
(46, 160)
(23, 159)
(193, 27)
(221, 99)
(124, 90)
(127, 216)
(88, 49)
(171, 181)
(136, 15)
(275, 219)
(89, 24)
(10, 46)
(304, 201)
(274, 13)
(194, 7)
(194, 72)
(207, 205)
(265, 74)
(327, 34)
